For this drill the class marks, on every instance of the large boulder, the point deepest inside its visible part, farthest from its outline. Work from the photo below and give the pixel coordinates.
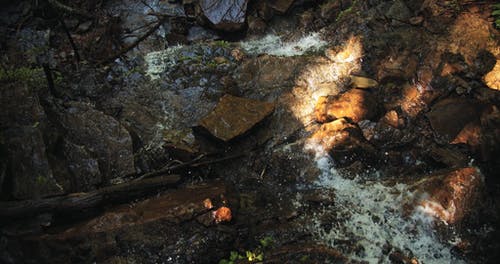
(450, 195)
(29, 168)
(95, 135)
(355, 104)
(23, 121)
(233, 116)
(227, 15)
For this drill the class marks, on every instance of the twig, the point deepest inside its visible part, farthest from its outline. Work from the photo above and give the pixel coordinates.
(133, 45)
(71, 42)
(192, 163)
(68, 9)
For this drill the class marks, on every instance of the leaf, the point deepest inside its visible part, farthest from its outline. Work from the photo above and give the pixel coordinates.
(224, 261)
(265, 242)
(234, 256)
(495, 13)
(496, 6)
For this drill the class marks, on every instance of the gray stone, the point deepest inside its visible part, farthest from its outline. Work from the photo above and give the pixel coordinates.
(30, 171)
(104, 138)
(227, 15)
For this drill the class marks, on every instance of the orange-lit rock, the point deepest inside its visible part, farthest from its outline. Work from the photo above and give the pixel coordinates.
(223, 214)
(470, 135)
(234, 116)
(492, 79)
(344, 142)
(451, 195)
(393, 119)
(355, 104)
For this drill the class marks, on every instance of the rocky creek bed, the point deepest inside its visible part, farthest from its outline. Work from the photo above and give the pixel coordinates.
(228, 131)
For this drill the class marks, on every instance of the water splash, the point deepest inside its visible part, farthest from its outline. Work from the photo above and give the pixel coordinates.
(371, 215)
(158, 62)
(274, 45)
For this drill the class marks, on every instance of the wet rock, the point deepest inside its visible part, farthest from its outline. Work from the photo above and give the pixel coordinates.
(449, 116)
(452, 158)
(23, 121)
(469, 135)
(355, 104)
(450, 195)
(344, 142)
(281, 6)
(198, 33)
(180, 143)
(227, 15)
(256, 25)
(399, 12)
(101, 136)
(30, 172)
(233, 116)
(83, 168)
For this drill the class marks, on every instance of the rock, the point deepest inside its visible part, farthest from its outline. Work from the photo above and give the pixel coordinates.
(450, 195)
(492, 78)
(233, 116)
(469, 135)
(362, 82)
(393, 119)
(256, 25)
(84, 27)
(449, 116)
(399, 12)
(83, 168)
(417, 20)
(227, 15)
(355, 104)
(180, 143)
(344, 142)
(197, 33)
(281, 6)
(30, 171)
(23, 121)
(104, 138)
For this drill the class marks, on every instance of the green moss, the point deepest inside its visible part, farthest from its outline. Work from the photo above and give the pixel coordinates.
(496, 15)
(222, 43)
(23, 74)
(346, 11)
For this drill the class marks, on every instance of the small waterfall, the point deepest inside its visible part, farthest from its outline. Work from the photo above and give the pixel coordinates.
(371, 215)
(274, 45)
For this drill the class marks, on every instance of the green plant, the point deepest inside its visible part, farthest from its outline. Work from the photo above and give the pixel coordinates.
(496, 15)
(256, 255)
(222, 43)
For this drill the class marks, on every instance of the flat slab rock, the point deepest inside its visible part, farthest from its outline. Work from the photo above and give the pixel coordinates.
(233, 116)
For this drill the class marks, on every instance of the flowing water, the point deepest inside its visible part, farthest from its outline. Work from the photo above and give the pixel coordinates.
(371, 215)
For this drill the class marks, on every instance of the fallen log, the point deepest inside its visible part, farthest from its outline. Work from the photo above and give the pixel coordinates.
(78, 201)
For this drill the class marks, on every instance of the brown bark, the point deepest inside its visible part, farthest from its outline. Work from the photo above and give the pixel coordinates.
(78, 201)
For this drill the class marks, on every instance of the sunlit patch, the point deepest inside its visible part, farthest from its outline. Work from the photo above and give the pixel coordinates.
(326, 76)
(492, 79)
(207, 203)
(223, 214)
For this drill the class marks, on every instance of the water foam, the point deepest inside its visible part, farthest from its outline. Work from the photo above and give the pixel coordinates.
(274, 45)
(371, 215)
